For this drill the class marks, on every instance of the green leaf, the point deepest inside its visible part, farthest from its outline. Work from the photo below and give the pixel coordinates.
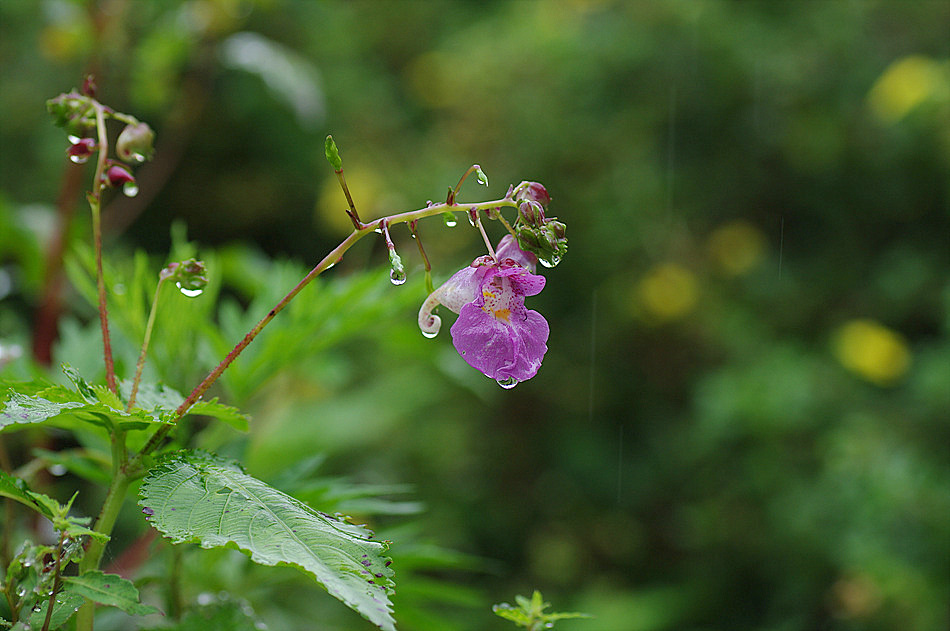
(64, 606)
(196, 496)
(226, 614)
(17, 489)
(224, 413)
(109, 589)
(161, 402)
(23, 410)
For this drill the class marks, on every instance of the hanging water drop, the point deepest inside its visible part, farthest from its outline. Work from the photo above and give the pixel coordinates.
(130, 189)
(508, 383)
(136, 157)
(57, 470)
(397, 276)
(191, 293)
(78, 159)
(450, 220)
(550, 261)
(430, 334)
(73, 139)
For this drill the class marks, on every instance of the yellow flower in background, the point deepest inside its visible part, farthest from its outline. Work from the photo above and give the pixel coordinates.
(668, 291)
(736, 247)
(905, 84)
(872, 351)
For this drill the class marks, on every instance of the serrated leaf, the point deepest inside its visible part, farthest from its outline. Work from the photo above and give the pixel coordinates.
(162, 402)
(64, 606)
(23, 410)
(109, 589)
(200, 497)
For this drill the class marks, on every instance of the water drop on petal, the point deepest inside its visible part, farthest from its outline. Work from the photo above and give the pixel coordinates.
(508, 383)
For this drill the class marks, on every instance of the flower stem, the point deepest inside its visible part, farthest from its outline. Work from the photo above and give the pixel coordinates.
(148, 336)
(335, 255)
(95, 204)
(481, 228)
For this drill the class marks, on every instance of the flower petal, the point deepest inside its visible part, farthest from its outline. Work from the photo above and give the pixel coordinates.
(508, 249)
(501, 349)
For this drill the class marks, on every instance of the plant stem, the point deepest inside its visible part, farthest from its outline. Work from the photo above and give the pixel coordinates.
(140, 364)
(115, 496)
(481, 228)
(52, 594)
(95, 199)
(335, 255)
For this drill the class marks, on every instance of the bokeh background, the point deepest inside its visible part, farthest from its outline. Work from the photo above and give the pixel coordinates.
(743, 419)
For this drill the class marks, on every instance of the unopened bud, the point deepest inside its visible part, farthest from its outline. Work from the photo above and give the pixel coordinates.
(189, 276)
(332, 154)
(533, 192)
(89, 86)
(80, 150)
(135, 143)
(531, 213)
(528, 239)
(117, 176)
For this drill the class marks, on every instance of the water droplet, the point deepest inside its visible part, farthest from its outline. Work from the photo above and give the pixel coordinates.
(205, 598)
(118, 289)
(78, 159)
(57, 469)
(136, 157)
(37, 608)
(130, 189)
(450, 220)
(21, 591)
(430, 334)
(508, 383)
(397, 277)
(73, 139)
(550, 262)
(191, 293)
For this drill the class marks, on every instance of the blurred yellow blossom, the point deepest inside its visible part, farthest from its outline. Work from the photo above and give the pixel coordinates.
(872, 351)
(736, 247)
(905, 84)
(666, 292)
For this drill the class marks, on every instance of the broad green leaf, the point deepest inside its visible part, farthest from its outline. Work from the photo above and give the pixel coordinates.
(17, 489)
(195, 496)
(64, 606)
(109, 589)
(162, 401)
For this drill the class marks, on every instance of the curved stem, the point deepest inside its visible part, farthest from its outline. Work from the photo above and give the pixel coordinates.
(335, 255)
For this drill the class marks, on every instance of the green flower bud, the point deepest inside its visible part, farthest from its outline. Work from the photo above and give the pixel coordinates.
(135, 143)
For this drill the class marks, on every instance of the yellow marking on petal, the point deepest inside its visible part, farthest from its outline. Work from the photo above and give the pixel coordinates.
(503, 314)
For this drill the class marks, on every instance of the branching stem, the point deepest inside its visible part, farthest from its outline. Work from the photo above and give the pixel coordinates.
(95, 204)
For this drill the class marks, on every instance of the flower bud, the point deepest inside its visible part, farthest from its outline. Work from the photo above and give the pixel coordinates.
(117, 176)
(80, 150)
(531, 213)
(135, 143)
(89, 86)
(533, 192)
(189, 276)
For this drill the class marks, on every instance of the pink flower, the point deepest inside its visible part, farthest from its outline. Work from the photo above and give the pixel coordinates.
(494, 332)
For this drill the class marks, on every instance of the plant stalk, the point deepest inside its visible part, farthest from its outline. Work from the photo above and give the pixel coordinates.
(140, 364)
(95, 204)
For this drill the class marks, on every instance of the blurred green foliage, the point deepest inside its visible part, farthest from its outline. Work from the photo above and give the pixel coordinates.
(743, 420)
